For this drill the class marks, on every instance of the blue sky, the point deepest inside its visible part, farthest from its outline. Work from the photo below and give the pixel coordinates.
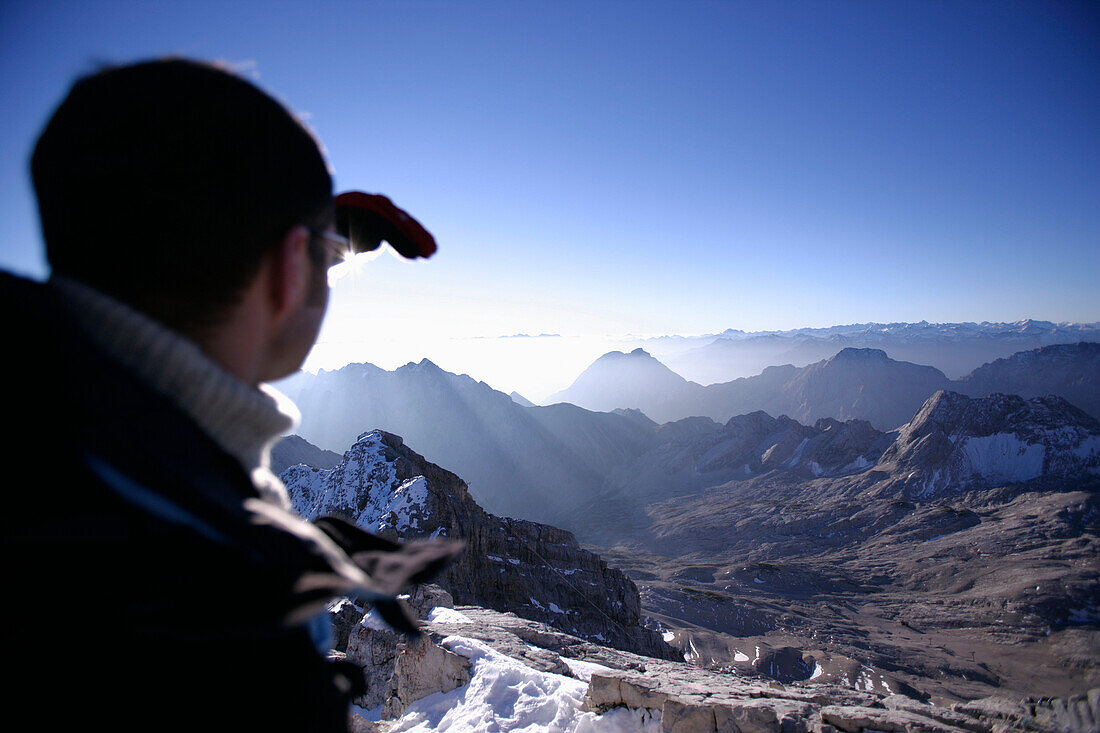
(681, 167)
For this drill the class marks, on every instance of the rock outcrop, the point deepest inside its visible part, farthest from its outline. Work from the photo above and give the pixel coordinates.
(535, 570)
(684, 698)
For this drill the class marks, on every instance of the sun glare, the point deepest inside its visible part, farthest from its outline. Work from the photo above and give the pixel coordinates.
(352, 264)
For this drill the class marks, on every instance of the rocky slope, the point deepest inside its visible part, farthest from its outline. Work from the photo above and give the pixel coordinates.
(534, 570)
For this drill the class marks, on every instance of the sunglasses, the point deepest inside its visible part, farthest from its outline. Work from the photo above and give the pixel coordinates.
(337, 246)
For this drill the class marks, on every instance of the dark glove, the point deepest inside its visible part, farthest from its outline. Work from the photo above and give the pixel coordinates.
(392, 566)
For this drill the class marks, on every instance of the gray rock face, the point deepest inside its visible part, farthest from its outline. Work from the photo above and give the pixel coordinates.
(398, 671)
(535, 570)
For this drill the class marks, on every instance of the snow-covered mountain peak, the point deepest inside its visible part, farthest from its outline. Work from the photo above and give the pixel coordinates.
(363, 488)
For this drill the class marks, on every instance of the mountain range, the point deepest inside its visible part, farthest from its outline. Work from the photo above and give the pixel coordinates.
(854, 383)
(953, 348)
(544, 462)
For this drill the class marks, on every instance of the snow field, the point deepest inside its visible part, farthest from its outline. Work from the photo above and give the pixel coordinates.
(506, 695)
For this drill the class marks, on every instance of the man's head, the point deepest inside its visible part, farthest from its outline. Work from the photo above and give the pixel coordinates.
(166, 183)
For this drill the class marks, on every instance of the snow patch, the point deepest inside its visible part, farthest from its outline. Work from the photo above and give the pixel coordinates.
(444, 615)
(1004, 457)
(372, 620)
(583, 669)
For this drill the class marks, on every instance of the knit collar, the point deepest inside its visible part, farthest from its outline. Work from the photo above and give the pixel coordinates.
(245, 421)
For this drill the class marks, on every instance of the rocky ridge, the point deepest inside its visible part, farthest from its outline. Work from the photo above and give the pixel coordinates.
(535, 570)
(697, 453)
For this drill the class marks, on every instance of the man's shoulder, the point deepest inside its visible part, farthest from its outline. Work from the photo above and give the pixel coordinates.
(70, 400)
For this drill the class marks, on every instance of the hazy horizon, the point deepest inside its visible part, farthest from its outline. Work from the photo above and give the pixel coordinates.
(537, 366)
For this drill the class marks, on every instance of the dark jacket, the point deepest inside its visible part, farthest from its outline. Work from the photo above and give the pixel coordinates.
(141, 592)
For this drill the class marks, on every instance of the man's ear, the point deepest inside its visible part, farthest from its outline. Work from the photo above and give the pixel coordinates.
(290, 271)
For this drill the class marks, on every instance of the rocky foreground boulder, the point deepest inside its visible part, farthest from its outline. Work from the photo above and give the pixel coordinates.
(663, 695)
(534, 570)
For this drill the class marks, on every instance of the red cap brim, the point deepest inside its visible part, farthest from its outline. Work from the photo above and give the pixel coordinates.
(369, 218)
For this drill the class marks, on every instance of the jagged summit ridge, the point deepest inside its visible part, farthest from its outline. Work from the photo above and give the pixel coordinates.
(363, 488)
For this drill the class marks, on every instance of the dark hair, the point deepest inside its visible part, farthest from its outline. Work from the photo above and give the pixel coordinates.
(163, 184)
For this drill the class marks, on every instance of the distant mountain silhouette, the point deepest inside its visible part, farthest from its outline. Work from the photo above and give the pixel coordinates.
(294, 449)
(863, 384)
(860, 384)
(521, 400)
(530, 462)
(634, 380)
